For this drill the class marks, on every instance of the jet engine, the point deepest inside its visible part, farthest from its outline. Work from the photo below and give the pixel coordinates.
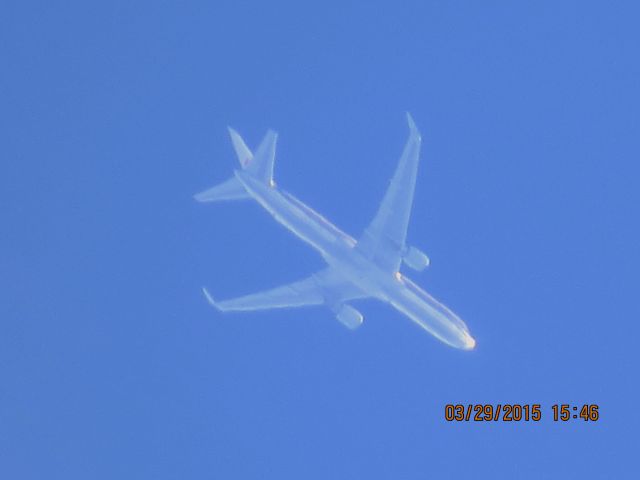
(349, 317)
(415, 259)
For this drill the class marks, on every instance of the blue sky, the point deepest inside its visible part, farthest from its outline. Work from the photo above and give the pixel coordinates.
(113, 115)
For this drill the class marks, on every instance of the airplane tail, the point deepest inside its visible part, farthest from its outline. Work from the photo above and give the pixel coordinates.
(258, 165)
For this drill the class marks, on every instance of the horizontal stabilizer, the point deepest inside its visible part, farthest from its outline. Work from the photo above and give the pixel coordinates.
(232, 189)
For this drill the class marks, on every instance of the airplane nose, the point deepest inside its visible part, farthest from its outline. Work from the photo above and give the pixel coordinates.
(469, 342)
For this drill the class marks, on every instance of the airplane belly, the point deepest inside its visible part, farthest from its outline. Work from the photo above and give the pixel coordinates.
(299, 219)
(362, 269)
(431, 315)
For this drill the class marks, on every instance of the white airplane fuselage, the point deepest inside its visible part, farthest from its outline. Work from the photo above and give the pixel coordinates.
(340, 251)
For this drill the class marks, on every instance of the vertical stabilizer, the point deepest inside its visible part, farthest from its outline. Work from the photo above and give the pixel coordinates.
(261, 166)
(258, 165)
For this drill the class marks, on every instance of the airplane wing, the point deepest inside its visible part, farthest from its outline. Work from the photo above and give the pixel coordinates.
(383, 240)
(323, 287)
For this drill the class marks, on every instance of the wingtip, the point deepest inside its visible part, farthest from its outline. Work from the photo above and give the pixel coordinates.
(199, 197)
(412, 125)
(234, 135)
(203, 197)
(209, 298)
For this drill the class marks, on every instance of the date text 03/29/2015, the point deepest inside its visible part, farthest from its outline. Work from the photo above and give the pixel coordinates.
(514, 412)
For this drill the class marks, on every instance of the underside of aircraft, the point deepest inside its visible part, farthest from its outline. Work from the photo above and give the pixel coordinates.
(366, 268)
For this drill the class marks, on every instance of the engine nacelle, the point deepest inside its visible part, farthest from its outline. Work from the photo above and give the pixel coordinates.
(349, 317)
(416, 259)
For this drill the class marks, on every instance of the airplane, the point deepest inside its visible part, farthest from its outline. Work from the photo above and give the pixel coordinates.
(366, 268)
